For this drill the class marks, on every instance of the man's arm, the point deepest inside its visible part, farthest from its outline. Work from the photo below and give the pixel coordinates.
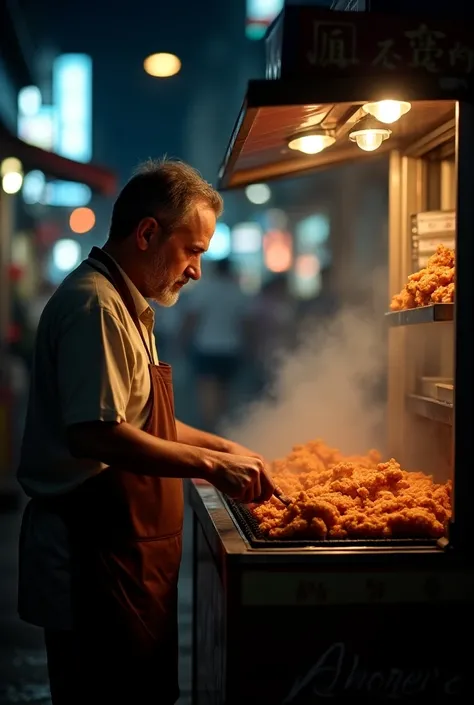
(195, 437)
(122, 444)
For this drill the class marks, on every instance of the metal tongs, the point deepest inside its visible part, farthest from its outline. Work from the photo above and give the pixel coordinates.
(280, 496)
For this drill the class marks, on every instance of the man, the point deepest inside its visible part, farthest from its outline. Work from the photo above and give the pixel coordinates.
(102, 456)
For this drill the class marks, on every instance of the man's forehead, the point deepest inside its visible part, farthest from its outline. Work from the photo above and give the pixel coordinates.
(203, 213)
(202, 222)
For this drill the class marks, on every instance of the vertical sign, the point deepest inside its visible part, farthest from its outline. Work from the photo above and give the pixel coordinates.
(260, 14)
(72, 97)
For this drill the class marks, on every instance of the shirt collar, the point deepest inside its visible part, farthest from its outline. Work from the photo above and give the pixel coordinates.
(144, 310)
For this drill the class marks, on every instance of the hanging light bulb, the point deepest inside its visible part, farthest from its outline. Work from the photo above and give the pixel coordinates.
(387, 111)
(368, 134)
(311, 142)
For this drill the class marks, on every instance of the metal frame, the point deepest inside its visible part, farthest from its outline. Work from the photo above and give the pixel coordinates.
(464, 330)
(418, 183)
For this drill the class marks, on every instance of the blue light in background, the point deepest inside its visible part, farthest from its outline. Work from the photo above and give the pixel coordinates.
(72, 93)
(312, 231)
(220, 246)
(260, 14)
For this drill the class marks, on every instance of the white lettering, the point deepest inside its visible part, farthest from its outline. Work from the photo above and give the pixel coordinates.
(452, 687)
(322, 668)
(338, 671)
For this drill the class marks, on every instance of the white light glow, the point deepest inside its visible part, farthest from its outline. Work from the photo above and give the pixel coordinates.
(11, 164)
(162, 65)
(11, 182)
(311, 144)
(369, 140)
(29, 100)
(38, 129)
(246, 239)
(387, 111)
(66, 254)
(220, 245)
(258, 193)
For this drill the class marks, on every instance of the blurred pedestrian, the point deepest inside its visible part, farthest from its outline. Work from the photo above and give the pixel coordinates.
(217, 322)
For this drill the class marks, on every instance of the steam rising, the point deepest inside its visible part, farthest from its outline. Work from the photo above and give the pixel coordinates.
(325, 389)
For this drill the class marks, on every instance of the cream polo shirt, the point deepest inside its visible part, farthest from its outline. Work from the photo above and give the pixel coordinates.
(90, 364)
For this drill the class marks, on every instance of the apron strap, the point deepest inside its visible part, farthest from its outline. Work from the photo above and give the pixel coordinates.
(115, 277)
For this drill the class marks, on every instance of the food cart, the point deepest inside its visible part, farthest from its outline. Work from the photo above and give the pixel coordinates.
(351, 617)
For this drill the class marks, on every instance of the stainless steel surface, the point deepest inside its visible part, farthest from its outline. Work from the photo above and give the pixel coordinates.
(229, 545)
(437, 313)
(429, 408)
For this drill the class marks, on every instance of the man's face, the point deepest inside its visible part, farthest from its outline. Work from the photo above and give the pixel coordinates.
(175, 261)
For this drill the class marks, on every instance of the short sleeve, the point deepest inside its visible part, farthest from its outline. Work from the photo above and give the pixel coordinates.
(96, 362)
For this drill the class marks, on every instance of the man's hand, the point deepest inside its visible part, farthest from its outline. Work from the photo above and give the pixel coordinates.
(237, 449)
(241, 477)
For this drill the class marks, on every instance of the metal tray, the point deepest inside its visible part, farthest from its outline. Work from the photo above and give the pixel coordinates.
(251, 530)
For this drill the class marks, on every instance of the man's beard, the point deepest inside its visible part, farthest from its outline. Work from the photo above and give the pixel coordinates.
(162, 289)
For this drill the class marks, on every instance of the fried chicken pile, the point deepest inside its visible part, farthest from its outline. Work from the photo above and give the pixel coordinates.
(432, 285)
(351, 497)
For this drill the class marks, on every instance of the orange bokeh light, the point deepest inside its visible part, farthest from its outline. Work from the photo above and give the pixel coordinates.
(82, 220)
(277, 251)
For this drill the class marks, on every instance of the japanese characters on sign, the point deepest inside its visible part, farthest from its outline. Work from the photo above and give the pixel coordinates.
(338, 45)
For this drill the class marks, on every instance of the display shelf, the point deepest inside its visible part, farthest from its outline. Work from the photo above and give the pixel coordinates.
(432, 409)
(436, 313)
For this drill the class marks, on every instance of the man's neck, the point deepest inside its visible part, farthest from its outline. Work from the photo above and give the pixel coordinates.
(123, 260)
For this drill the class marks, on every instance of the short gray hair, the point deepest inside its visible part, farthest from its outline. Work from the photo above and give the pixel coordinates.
(165, 189)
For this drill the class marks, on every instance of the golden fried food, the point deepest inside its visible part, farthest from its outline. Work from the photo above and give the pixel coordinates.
(432, 285)
(352, 497)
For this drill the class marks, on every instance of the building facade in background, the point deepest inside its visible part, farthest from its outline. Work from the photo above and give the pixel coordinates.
(41, 146)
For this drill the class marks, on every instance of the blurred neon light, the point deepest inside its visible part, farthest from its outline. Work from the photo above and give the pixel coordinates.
(260, 14)
(246, 239)
(66, 254)
(220, 246)
(72, 92)
(277, 251)
(29, 100)
(258, 193)
(38, 129)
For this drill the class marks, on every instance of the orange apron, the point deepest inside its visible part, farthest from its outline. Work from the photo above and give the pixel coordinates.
(126, 538)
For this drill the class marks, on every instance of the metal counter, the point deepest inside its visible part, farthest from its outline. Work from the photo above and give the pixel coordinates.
(296, 626)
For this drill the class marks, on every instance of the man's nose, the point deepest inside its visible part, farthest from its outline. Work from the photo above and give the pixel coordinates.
(193, 272)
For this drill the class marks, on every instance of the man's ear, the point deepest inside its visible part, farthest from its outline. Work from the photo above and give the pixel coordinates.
(146, 229)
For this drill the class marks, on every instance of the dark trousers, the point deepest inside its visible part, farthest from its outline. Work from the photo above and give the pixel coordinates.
(81, 674)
